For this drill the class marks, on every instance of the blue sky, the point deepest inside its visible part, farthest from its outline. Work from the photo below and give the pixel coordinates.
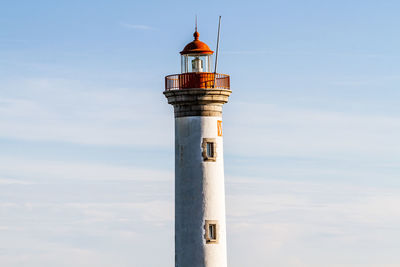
(311, 131)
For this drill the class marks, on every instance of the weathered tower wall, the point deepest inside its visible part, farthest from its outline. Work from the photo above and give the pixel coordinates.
(200, 228)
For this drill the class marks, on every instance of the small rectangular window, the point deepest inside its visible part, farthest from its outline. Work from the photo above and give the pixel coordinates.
(211, 231)
(209, 146)
(210, 150)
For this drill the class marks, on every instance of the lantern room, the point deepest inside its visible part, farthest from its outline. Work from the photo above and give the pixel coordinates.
(196, 70)
(196, 56)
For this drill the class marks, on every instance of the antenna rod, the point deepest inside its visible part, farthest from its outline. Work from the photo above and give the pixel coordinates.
(216, 52)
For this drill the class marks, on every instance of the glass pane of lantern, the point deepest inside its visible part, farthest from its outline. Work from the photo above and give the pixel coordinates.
(183, 64)
(195, 63)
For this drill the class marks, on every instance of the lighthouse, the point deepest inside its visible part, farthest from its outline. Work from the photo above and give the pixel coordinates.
(197, 95)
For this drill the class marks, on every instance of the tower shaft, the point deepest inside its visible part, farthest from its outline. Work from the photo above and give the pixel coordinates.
(200, 227)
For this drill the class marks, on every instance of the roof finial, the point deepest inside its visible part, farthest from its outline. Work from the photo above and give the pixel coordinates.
(196, 34)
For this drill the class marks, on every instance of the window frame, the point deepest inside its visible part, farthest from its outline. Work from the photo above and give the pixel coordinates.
(205, 153)
(207, 235)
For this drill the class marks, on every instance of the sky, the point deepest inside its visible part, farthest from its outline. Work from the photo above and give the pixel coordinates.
(311, 131)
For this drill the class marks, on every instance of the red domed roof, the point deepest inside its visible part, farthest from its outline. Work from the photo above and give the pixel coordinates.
(196, 47)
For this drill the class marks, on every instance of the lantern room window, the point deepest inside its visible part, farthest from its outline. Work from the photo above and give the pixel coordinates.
(195, 63)
(196, 56)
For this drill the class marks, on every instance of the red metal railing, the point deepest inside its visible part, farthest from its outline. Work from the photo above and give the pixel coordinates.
(204, 80)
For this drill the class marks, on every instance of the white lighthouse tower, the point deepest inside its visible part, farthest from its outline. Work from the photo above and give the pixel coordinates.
(197, 95)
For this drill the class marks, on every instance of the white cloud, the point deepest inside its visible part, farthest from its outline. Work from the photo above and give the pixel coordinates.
(83, 213)
(49, 171)
(280, 131)
(68, 111)
(270, 222)
(136, 26)
(64, 110)
(282, 223)
(7, 181)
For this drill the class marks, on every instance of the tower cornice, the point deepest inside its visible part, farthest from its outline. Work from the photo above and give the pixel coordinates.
(198, 102)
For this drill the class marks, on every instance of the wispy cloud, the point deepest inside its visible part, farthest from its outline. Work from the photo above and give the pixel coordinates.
(137, 26)
(304, 222)
(297, 217)
(7, 181)
(361, 54)
(56, 171)
(72, 112)
(249, 52)
(279, 130)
